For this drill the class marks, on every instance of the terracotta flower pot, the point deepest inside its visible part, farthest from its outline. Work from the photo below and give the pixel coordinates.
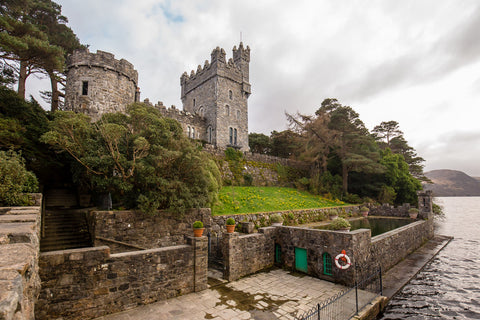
(198, 232)
(230, 228)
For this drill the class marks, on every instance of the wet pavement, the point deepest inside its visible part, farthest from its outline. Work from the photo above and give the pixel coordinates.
(277, 294)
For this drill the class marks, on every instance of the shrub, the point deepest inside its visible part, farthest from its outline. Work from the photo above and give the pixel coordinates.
(413, 210)
(340, 223)
(15, 179)
(198, 224)
(332, 212)
(276, 218)
(230, 222)
(247, 179)
(363, 209)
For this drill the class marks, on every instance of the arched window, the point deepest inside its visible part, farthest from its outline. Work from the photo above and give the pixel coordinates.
(231, 135)
(238, 114)
(201, 112)
(230, 94)
(194, 102)
(227, 110)
(327, 264)
(235, 137)
(193, 132)
(189, 131)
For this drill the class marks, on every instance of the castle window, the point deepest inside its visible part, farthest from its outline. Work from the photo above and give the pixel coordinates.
(201, 112)
(238, 114)
(231, 135)
(209, 134)
(193, 133)
(230, 94)
(189, 130)
(84, 88)
(227, 109)
(235, 136)
(194, 102)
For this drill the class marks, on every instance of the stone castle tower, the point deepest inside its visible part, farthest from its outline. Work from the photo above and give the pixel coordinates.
(219, 93)
(97, 83)
(215, 107)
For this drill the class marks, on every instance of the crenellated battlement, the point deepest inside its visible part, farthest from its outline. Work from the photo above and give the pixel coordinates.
(104, 60)
(235, 69)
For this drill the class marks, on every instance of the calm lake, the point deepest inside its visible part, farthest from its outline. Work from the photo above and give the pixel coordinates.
(449, 286)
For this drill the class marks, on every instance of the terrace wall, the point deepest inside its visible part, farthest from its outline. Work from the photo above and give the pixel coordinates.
(247, 254)
(19, 249)
(91, 282)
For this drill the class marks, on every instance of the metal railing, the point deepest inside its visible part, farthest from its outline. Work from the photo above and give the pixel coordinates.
(347, 303)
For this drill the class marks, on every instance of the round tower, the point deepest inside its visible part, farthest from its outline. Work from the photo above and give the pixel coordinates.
(97, 83)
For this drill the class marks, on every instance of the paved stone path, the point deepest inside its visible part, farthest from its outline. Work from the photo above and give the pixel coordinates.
(269, 295)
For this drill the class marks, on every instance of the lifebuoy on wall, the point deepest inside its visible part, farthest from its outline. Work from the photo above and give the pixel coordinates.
(342, 256)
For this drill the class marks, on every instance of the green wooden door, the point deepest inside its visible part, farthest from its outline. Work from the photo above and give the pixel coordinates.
(278, 254)
(301, 260)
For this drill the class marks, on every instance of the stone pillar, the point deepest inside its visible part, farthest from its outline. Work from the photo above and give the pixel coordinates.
(200, 262)
(228, 248)
(425, 204)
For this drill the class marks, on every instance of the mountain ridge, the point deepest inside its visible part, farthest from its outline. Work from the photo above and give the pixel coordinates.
(452, 183)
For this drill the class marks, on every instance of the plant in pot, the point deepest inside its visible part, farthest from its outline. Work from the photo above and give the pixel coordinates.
(198, 228)
(230, 223)
(332, 214)
(276, 220)
(364, 211)
(340, 224)
(413, 212)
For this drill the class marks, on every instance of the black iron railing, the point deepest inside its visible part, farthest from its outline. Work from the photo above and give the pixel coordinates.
(347, 303)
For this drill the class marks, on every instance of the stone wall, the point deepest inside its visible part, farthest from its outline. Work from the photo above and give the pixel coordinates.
(19, 250)
(145, 231)
(290, 217)
(91, 282)
(366, 253)
(247, 254)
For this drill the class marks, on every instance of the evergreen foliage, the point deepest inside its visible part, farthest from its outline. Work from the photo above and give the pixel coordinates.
(15, 179)
(142, 158)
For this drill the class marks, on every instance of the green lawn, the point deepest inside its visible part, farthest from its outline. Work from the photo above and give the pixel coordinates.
(238, 200)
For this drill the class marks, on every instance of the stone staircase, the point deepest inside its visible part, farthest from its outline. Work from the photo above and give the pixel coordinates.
(64, 229)
(64, 226)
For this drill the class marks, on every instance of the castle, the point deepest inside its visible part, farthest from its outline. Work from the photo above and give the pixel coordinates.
(215, 97)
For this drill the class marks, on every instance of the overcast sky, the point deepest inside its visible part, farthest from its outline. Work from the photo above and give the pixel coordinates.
(415, 62)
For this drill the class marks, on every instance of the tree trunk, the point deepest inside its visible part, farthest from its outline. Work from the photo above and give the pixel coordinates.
(55, 92)
(345, 179)
(22, 78)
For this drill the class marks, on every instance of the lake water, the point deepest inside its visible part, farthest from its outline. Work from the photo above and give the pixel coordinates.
(449, 286)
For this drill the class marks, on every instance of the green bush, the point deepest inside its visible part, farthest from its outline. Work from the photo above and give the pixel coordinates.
(340, 223)
(15, 179)
(276, 218)
(230, 222)
(247, 179)
(198, 224)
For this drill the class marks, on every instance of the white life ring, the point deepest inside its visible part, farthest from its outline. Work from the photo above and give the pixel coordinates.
(345, 258)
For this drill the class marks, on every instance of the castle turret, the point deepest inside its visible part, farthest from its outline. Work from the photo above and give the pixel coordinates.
(97, 83)
(219, 92)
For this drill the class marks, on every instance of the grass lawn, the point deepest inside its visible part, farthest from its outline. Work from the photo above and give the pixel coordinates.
(238, 200)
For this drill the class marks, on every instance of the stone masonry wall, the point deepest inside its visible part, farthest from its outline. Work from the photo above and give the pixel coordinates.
(366, 253)
(19, 250)
(247, 254)
(145, 231)
(90, 282)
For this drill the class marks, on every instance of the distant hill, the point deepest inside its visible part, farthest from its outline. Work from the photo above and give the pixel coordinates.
(452, 183)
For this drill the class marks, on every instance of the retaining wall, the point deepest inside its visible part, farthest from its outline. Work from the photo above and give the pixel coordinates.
(19, 249)
(91, 282)
(142, 230)
(247, 254)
